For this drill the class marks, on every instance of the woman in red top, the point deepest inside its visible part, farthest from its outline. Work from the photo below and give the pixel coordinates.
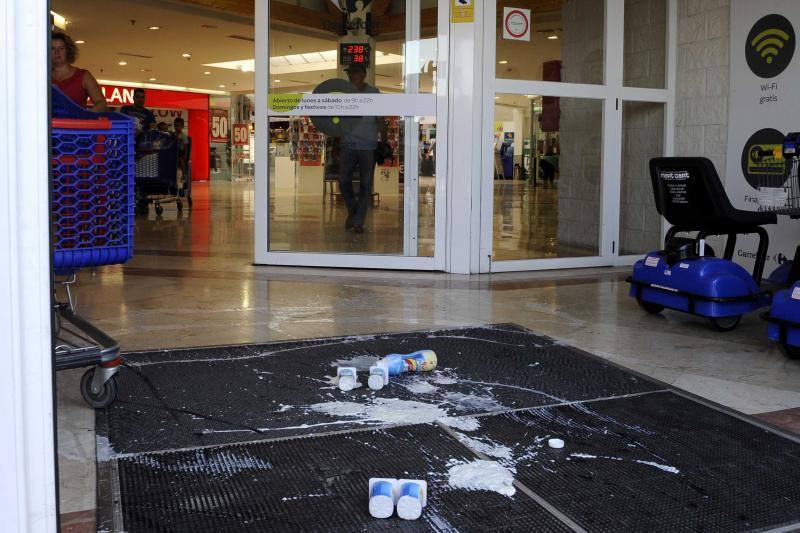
(78, 84)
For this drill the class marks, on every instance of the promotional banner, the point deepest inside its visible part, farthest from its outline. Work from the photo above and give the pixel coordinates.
(241, 134)
(763, 107)
(358, 104)
(219, 125)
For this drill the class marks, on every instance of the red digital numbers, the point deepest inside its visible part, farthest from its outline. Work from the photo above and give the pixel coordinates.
(355, 53)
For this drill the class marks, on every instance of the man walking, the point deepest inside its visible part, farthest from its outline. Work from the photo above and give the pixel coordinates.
(358, 150)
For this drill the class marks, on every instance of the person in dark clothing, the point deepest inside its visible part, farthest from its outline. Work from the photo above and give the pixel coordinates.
(145, 119)
(358, 150)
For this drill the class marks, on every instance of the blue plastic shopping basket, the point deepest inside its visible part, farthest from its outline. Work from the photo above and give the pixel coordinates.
(92, 169)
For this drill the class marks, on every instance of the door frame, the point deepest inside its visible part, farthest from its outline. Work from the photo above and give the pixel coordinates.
(612, 93)
(350, 260)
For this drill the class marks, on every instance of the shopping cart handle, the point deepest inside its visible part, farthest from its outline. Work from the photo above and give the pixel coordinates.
(100, 123)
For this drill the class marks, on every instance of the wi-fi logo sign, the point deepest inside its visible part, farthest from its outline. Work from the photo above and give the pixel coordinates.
(769, 43)
(770, 46)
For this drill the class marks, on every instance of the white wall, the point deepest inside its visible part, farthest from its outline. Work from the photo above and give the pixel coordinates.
(702, 114)
(703, 89)
(27, 468)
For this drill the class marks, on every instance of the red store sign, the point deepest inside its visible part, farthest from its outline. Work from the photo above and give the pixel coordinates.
(160, 98)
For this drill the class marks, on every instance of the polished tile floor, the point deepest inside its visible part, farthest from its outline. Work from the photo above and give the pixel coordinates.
(192, 283)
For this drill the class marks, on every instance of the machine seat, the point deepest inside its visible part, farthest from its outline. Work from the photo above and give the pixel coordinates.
(690, 195)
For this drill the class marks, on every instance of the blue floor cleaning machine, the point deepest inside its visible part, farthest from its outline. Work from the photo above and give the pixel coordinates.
(686, 275)
(784, 315)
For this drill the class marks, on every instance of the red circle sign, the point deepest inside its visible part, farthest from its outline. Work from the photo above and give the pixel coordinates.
(519, 21)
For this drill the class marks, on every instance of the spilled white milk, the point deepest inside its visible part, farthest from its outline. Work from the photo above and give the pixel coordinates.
(482, 475)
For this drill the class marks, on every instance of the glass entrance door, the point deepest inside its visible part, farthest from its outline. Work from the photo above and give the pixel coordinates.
(349, 173)
(576, 100)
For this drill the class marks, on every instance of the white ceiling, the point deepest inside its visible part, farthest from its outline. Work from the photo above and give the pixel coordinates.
(108, 31)
(113, 28)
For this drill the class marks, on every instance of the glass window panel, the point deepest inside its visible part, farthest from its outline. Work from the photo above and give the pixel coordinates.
(642, 140)
(566, 42)
(307, 207)
(547, 176)
(645, 56)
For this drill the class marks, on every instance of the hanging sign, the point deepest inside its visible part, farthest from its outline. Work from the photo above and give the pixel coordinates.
(241, 134)
(219, 125)
(462, 11)
(516, 24)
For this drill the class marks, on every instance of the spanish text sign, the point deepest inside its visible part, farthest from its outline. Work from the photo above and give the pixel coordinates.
(462, 11)
(516, 24)
(357, 104)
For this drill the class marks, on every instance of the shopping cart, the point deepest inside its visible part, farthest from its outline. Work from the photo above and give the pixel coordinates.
(92, 225)
(157, 172)
(781, 194)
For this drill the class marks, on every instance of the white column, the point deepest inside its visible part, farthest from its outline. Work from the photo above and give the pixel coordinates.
(27, 468)
(464, 147)
(261, 218)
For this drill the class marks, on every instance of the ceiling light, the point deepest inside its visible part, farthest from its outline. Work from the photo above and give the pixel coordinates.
(277, 81)
(186, 55)
(154, 28)
(80, 42)
(551, 37)
(221, 86)
(503, 62)
(122, 63)
(497, 98)
(59, 21)
(152, 79)
(530, 96)
(207, 73)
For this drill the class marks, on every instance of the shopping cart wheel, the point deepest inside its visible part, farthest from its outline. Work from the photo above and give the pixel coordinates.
(790, 351)
(725, 323)
(105, 397)
(159, 210)
(179, 205)
(650, 307)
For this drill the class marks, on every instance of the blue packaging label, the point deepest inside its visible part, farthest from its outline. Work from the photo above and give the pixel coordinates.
(411, 489)
(381, 488)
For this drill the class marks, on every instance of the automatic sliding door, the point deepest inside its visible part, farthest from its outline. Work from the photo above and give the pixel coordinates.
(325, 125)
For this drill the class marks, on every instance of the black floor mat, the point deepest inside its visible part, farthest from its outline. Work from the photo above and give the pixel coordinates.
(235, 394)
(657, 462)
(314, 484)
(256, 438)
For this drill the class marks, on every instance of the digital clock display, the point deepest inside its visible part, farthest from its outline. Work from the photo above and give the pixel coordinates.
(354, 53)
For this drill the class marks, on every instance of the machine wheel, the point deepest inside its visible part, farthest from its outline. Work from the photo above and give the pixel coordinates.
(106, 396)
(725, 323)
(651, 308)
(791, 351)
(179, 205)
(159, 210)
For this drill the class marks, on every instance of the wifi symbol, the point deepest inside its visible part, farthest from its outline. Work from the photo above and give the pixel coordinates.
(770, 42)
